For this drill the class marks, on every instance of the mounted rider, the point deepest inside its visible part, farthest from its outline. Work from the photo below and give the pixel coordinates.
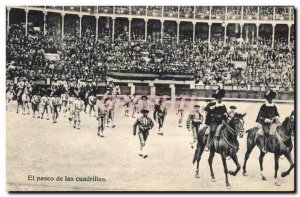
(216, 114)
(268, 116)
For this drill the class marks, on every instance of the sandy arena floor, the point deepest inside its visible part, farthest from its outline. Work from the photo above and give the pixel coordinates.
(43, 149)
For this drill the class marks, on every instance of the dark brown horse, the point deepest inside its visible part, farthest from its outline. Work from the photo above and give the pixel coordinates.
(279, 144)
(226, 144)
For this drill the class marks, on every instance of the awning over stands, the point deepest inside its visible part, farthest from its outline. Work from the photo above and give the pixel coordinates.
(145, 76)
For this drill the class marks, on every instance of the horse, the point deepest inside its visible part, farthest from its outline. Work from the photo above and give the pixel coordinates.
(226, 144)
(279, 144)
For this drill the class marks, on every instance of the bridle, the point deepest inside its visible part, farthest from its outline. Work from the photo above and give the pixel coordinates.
(231, 130)
(286, 138)
(284, 135)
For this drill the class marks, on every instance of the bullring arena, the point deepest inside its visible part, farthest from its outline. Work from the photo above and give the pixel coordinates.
(38, 147)
(44, 150)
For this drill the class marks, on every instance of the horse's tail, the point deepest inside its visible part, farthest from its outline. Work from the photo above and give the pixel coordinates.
(253, 129)
(251, 135)
(200, 140)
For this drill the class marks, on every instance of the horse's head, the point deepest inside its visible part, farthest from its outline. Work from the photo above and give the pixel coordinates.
(237, 123)
(292, 120)
(289, 124)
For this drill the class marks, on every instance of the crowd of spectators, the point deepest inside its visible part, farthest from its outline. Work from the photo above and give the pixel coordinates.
(154, 11)
(202, 12)
(186, 12)
(90, 59)
(123, 10)
(233, 12)
(266, 13)
(171, 11)
(138, 10)
(218, 12)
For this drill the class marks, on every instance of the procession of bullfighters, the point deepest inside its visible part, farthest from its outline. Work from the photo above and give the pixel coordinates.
(150, 98)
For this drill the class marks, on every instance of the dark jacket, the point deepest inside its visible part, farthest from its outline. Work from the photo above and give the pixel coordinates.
(266, 112)
(216, 114)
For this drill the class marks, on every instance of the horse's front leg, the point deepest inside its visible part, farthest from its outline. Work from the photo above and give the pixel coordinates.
(250, 146)
(225, 170)
(289, 158)
(261, 160)
(210, 162)
(200, 149)
(238, 167)
(276, 157)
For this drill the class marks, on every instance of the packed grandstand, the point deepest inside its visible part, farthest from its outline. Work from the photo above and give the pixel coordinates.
(233, 45)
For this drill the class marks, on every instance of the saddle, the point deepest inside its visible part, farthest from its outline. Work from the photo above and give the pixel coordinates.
(273, 128)
(271, 132)
(218, 129)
